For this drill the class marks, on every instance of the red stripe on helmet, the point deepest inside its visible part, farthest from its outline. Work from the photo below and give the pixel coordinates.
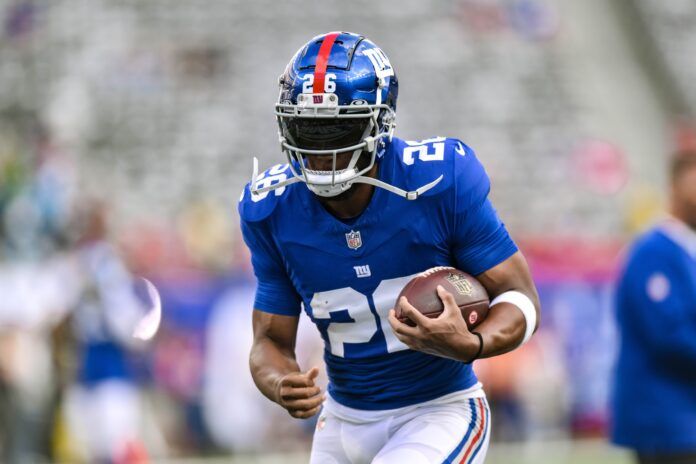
(323, 61)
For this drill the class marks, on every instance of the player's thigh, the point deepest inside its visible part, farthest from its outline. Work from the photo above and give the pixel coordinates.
(337, 441)
(327, 444)
(456, 432)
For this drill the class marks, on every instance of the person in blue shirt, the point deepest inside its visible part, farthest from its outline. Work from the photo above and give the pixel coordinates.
(339, 230)
(654, 391)
(103, 405)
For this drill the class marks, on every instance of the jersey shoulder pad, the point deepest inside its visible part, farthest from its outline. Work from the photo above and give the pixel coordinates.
(658, 245)
(652, 255)
(651, 250)
(648, 241)
(420, 162)
(255, 208)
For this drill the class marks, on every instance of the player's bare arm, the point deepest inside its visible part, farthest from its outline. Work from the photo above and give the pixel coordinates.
(274, 367)
(448, 335)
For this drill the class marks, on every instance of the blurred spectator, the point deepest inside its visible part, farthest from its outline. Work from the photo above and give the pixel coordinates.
(36, 288)
(103, 407)
(654, 398)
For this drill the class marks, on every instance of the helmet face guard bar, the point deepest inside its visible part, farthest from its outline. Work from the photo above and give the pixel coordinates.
(338, 111)
(334, 182)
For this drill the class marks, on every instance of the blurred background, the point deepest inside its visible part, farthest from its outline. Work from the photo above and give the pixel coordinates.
(127, 129)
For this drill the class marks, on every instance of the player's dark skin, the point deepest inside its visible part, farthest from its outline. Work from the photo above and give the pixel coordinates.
(272, 359)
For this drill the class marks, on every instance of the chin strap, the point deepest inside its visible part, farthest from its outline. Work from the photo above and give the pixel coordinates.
(409, 195)
(412, 195)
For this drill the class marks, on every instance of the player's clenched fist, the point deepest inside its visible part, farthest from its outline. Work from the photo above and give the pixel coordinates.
(297, 393)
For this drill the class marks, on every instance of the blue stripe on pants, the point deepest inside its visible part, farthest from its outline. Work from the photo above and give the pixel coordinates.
(485, 430)
(472, 424)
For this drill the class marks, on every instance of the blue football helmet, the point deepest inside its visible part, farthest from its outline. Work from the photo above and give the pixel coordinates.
(337, 95)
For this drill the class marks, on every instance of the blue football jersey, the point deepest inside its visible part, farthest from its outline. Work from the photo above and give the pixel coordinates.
(654, 390)
(346, 274)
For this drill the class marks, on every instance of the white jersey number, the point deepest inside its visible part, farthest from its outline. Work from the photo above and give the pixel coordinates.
(274, 175)
(426, 150)
(364, 325)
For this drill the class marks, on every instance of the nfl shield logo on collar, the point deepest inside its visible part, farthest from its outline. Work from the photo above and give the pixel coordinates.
(354, 240)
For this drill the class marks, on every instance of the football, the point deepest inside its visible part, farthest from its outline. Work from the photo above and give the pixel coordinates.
(421, 292)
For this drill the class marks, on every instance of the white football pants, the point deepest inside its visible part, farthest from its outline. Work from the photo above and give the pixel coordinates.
(451, 429)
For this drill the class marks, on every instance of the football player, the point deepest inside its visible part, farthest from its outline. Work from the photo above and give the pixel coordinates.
(338, 230)
(654, 387)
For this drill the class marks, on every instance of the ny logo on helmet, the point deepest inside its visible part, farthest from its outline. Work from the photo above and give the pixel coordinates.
(380, 62)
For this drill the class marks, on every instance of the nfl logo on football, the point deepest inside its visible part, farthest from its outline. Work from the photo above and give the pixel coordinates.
(354, 240)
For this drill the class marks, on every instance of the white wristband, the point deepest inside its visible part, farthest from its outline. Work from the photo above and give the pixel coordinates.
(525, 305)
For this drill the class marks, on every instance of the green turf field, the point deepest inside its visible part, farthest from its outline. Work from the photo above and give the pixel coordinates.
(557, 452)
(553, 452)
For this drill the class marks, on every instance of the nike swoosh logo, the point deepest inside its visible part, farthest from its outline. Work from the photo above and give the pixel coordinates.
(460, 149)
